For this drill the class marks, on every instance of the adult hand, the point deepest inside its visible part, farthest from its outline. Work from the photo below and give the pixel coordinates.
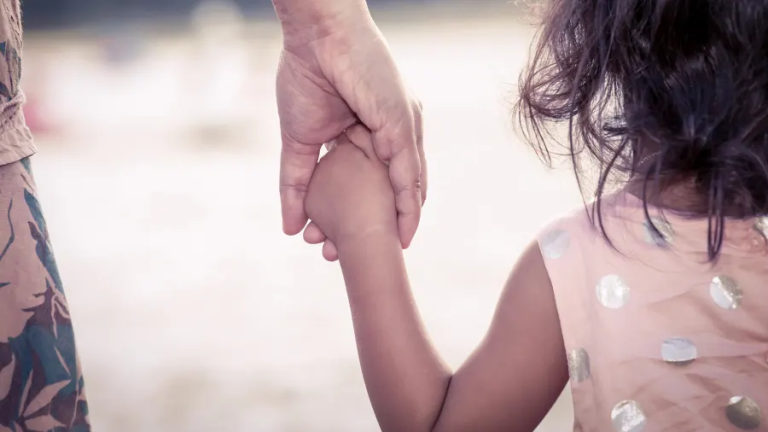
(334, 72)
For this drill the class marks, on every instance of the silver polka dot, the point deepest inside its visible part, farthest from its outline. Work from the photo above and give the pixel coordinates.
(555, 243)
(578, 365)
(725, 292)
(662, 235)
(612, 292)
(627, 416)
(679, 351)
(743, 413)
(762, 225)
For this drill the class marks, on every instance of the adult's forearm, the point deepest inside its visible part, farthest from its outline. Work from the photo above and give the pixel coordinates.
(300, 17)
(406, 380)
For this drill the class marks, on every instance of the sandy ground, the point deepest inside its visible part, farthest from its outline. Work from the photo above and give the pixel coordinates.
(193, 312)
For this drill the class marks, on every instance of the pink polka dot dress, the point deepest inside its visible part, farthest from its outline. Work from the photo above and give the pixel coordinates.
(657, 337)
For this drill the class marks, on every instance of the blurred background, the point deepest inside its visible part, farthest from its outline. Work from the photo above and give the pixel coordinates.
(158, 159)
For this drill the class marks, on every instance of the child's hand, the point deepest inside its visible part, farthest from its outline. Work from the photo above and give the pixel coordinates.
(350, 195)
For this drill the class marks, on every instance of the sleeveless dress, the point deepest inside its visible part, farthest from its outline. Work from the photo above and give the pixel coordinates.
(41, 386)
(657, 338)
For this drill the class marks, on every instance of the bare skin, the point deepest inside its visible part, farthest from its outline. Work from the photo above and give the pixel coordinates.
(335, 71)
(512, 379)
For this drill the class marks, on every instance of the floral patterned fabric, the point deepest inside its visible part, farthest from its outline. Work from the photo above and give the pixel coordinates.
(41, 386)
(15, 138)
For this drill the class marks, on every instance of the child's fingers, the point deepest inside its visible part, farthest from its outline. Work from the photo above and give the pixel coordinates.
(313, 235)
(330, 252)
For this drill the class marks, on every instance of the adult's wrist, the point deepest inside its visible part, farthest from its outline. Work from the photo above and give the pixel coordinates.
(305, 21)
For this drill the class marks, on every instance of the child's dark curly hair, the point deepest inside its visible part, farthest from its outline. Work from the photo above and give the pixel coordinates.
(668, 94)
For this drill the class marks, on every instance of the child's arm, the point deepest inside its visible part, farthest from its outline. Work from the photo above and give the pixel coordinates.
(508, 384)
(515, 375)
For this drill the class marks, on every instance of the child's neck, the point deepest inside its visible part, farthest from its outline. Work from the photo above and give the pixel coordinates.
(680, 196)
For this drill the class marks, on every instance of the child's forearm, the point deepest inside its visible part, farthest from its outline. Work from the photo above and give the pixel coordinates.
(406, 380)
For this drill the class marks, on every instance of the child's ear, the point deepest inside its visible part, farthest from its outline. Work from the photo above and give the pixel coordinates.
(361, 137)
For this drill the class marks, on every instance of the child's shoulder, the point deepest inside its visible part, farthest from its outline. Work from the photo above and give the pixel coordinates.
(584, 225)
(563, 231)
(573, 219)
